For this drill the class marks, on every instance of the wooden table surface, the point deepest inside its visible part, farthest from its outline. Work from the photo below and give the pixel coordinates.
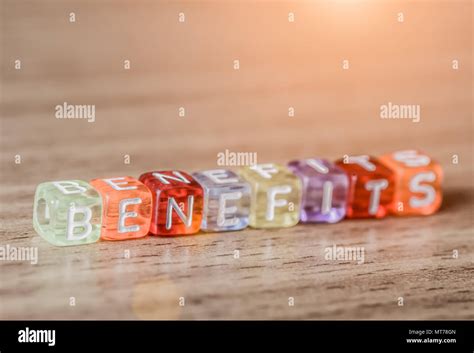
(190, 64)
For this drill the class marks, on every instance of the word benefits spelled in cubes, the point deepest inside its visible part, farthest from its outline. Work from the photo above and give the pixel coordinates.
(177, 202)
(418, 181)
(126, 208)
(67, 212)
(226, 200)
(325, 189)
(371, 186)
(276, 196)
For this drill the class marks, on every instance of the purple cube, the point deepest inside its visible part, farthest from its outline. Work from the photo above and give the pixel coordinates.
(325, 190)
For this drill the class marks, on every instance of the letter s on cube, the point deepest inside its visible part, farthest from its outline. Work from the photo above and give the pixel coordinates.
(177, 202)
(418, 180)
(276, 196)
(67, 212)
(126, 208)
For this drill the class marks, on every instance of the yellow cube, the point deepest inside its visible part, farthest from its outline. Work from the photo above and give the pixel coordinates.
(276, 195)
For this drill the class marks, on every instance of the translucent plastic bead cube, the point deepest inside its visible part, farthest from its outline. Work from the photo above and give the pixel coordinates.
(226, 200)
(418, 180)
(276, 196)
(371, 186)
(325, 190)
(126, 208)
(177, 202)
(67, 212)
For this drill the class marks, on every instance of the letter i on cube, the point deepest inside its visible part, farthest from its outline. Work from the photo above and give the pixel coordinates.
(371, 186)
(177, 202)
(126, 208)
(325, 189)
(67, 212)
(276, 196)
(226, 200)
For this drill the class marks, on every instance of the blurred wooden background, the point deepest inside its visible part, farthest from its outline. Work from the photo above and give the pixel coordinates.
(190, 64)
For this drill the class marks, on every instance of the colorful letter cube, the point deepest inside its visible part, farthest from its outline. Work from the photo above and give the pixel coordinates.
(325, 189)
(67, 212)
(418, 181)
(126, 208)
(177, 202)
(276, 196)
(371, 187)
(226, 200)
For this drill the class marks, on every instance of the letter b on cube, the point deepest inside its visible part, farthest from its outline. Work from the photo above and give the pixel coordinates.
(67, 212)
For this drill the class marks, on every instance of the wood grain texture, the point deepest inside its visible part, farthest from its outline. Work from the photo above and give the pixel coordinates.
(190, 65)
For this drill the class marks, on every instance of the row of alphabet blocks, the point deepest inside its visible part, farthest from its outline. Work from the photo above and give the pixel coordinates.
(168, 203)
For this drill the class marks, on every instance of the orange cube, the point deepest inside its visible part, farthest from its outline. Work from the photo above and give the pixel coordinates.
(418, 181)
(126, 211)
(371, 186)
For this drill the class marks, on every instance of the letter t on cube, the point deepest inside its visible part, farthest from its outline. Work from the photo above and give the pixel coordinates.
(371, 186)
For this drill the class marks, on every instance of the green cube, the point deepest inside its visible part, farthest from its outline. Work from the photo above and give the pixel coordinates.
(67, 212)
